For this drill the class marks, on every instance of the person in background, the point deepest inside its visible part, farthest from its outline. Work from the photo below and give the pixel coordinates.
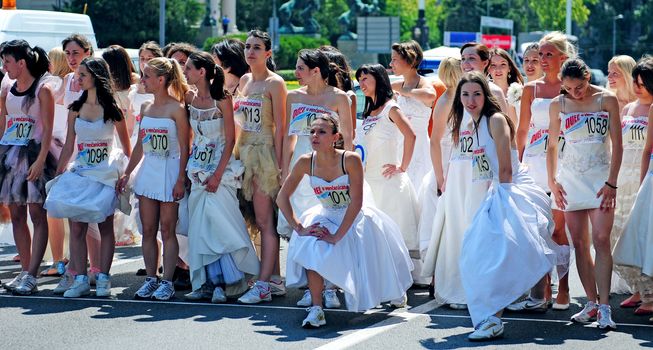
(532, 66)
(619, 79)
(229, 54)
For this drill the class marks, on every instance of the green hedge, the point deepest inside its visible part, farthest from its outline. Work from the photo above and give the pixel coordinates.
(289, 45)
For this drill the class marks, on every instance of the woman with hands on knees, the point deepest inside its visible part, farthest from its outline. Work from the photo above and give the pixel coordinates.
(584, 186)
(161, 179)
(357, 248)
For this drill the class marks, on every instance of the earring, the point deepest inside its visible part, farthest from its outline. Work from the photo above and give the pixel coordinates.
(509, 75)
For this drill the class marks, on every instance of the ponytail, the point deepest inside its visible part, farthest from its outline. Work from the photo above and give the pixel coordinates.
(217, 85)
(335, 76)
(270, 64)
(36, 61)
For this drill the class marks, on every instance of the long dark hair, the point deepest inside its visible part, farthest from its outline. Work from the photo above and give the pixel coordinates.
(120, 65)
(99, 70)
(36, 61)
(334, 55)
(514, 76)
(644, 69)
(214, 74)
(316, 58)
(490, 104)
(80, 40)
(267, 42)
(231, 53)
(383, 87)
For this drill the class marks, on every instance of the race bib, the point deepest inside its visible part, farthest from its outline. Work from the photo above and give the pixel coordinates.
(465, 148)
(155, 141)
(19, 129)
(203, 156)
(301, 118)
(249, 113)
(92, 153)
(584, 127)
(537, 142)
(633, 132)
(334, 197)
(369, 123)
(481, 166)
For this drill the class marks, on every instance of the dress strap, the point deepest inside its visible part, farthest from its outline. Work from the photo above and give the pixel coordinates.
(562, 103)
(312, 162)
(342, 163)
(601, 102)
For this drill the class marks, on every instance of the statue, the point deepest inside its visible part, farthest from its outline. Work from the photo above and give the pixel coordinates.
(357, 8)
(287, 14)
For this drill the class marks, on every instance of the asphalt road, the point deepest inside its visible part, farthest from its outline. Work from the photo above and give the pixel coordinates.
(46, 321)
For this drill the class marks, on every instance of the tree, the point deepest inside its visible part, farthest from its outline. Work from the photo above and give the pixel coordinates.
(129, 23)
(553, 13)
(254, 14)
(407, 11)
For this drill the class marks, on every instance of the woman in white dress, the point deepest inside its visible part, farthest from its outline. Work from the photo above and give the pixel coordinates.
(343, 79)
(476, 57)
(585, 183)
(85, 191)
(221, 255)
(433, 186)
(619, 79)
(505, 250)
(532, 140)
(358, 248)
(638, 142)
(532, 66)
(506, 75)
(415, 97)
(312, 70)
(385, 168)
(160, 181)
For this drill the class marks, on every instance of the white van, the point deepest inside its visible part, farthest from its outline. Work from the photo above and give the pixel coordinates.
(44, 28)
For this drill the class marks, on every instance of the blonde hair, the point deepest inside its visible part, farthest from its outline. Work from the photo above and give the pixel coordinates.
(625, 65)
(450, 72)
(59, 65)
(171, 70)
(561, 42)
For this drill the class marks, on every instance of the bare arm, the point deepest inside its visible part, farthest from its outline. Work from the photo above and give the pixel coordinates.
(424, 93)
(46, 102)
(183, 135)
(501, 98)
(278, 95)
(352, 108)
(289, 141)
(439, 116)
(648, 147)
(354, 166)
(409, 142)
(301, 168)
(346, 126)
(3, 112)
(123, 136)
(552, 154)
(69, 146)
(524, 120)
(501, 134)
(226, 106)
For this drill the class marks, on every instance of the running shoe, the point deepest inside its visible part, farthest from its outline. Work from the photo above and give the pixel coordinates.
(147, 289)
(306, 300)
(399, 303)
(165, 291)
(81, 287)
(103, 285)
(604, 318)
(14, 283)
(490, 328)
(202, 293)
(587, 314)
(218, 296)
(331, 300)
(315, 317)
(529, 305)
(27, 286)
(277, 288)
(65, 282)
(258, 293)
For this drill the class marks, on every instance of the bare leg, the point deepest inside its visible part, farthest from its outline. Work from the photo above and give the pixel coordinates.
(40, 241)
(269, 238)
(93, 244)
(107, 244)
(149, 212)
(78, 248)
(579, 227)
(601, 228)
(169, 213)
(56, 238)
(316, 286)
(22, 236)
(560, 237)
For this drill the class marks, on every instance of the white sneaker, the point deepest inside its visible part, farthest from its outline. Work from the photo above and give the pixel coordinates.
(218, 296)
(331, 300)
(277, 288)
(529, 305)
(315, 317)
(27, 286)
(14, 283)
(147, 289)
(81, 287)
(399, 303)
(587, 314)
(65, 282)
(491, 328)
(256, 294)
(306, 300)
(164, 292)
(604, 318)
(203, 293)
(103, 285)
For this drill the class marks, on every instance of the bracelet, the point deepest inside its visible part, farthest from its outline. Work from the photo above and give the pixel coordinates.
(611, 185)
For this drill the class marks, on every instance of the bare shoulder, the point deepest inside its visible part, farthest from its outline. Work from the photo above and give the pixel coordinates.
(397, 84)
(190, 95)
